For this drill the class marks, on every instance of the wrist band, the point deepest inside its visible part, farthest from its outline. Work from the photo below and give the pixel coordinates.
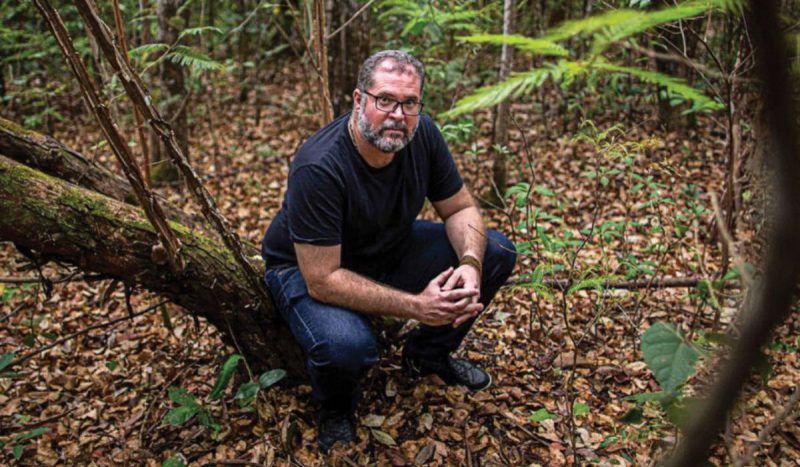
(472, 261)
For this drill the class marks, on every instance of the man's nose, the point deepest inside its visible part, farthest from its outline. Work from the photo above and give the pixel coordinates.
(397, 112)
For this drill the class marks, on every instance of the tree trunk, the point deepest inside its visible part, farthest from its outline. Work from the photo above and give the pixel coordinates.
(101, 233)
(346, 51)
(500, 140)
(173, 84)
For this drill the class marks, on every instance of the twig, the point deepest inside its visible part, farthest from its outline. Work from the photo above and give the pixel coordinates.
(74, 277)
(84, 331)
(355, 15)
(663, 283)
(788, 414)
(728, 239)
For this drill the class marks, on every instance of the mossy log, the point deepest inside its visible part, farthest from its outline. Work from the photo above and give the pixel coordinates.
(65, 222)
(54, 158)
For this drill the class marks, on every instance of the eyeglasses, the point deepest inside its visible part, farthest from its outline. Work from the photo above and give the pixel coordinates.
(389, 105)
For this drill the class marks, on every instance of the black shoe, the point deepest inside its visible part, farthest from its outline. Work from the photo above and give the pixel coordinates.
(335, 426)
(452, 371)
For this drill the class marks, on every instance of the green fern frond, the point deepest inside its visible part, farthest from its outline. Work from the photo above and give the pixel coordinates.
(590, 24)
(647, 20)
(192, 58)
(198, 31)
(674, 85)
(516, 85)
(536, 46)
(147, 49)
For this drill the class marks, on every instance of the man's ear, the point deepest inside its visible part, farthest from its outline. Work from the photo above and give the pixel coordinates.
(356, 98)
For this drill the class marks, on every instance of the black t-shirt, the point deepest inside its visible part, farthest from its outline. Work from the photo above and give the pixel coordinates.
(335, 198)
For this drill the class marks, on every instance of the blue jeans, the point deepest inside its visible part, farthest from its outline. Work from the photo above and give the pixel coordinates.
(340, 344)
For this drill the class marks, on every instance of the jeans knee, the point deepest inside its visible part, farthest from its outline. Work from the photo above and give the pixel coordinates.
(349, 353)
(500, 256)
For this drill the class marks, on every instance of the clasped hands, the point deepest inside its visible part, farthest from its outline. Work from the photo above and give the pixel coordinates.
(450, 298)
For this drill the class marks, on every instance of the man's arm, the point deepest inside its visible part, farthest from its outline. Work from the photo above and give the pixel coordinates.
(467, 235)
(328, 282)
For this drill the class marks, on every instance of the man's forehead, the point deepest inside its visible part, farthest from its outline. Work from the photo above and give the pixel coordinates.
(390, 75)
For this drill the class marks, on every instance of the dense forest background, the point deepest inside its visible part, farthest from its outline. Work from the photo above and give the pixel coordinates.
(628, 148)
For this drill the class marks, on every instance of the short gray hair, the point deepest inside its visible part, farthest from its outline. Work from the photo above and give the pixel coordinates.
(366, 74)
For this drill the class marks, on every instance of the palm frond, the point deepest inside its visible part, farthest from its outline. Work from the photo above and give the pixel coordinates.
(192, 58)
(674, 85)
(516, 85)
(146, 49)
(536, 46)
(198, 31)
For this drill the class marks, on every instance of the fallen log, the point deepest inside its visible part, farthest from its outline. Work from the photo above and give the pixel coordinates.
(65, 222)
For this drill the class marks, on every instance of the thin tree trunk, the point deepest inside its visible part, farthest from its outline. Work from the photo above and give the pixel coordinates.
(321, 51)
(500, 140)
(173, 84)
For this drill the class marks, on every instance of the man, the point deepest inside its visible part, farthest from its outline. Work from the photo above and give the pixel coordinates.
(346, 244)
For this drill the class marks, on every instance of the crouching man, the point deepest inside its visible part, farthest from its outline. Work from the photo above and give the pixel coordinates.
(346, 244)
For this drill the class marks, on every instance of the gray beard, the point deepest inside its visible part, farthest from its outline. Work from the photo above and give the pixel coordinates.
(384, 143)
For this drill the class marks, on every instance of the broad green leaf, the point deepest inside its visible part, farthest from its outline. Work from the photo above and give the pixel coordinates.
(542, 415)
(36, 432)
(246, 393)
(6, 359)
(224, 376)
(181, 396)
(271, 377)
(180, 415)
(17, 450)
(580, 409)
(173, 461)
(670, 357)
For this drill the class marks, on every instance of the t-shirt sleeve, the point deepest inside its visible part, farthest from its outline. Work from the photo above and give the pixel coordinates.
(445, 181)
(314, 200)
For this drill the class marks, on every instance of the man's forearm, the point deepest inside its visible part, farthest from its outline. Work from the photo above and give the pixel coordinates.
(348, 289)
(466, 232)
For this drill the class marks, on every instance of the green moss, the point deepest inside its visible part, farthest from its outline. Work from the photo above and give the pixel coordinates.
(74, 198)
(19, 130)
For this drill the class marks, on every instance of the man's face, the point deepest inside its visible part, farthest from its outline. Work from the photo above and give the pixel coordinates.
(388, 132)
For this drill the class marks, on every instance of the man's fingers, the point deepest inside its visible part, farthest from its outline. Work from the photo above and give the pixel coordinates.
(443, 276)
(467, 315)
(458, 294)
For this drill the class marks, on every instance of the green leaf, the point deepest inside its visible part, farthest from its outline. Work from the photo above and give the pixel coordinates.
(173, 461)
(668, 355)
(542, 415)
(580, 409)
(35, 433)
(180, 415)
(662, 397)
(165, 318)
(271, 377)
(681, 409)
(224, 376)
(6, 359)
(181, 396)
(17, 450)
(246, 393)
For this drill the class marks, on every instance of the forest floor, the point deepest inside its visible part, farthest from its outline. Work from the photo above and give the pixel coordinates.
(562, 364)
